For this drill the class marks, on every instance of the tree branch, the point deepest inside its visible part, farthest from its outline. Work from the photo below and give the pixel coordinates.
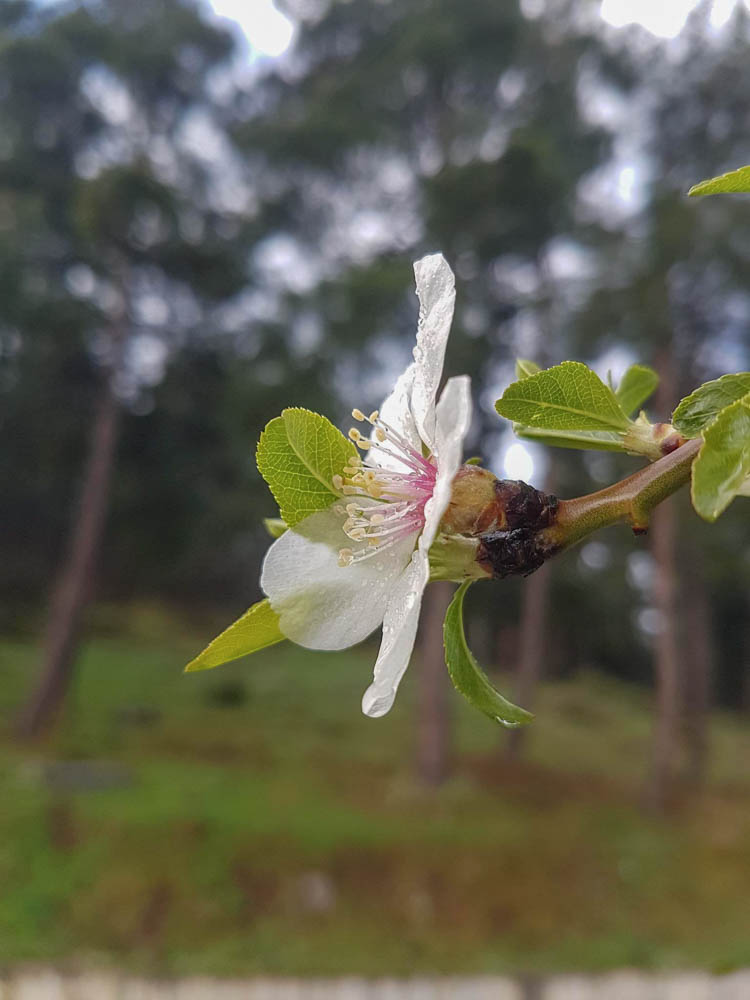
(631, 500)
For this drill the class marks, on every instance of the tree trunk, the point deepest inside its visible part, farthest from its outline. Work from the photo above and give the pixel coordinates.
(699, 663)
(533, 628)
(72, 590)
(433, 690)
(666, 658)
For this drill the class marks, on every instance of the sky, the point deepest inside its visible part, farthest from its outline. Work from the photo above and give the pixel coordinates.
(270, 33)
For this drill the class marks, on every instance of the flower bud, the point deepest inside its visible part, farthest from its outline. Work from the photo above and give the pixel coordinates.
(507, 516)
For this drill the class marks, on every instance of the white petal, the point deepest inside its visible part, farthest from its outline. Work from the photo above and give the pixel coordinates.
(452, 418)
(399, 632)
(452, 422)
(437, 294)
(396, 412)
(320, 604)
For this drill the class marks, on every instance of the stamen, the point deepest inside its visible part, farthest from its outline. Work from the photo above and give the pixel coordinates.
(403, 488)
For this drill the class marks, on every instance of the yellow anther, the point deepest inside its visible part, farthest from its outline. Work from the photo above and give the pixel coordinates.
(346, 557)
(338, 483)
(369, 476)
(351, 509)
(349, 491)
(358, 414)
(377, 519)
(354, 435)
(357, 534)
(362, 443)
(373, 416)
(380, 434)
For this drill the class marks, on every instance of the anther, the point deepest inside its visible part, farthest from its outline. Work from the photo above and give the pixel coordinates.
(377, 519)
(380, 434)
(346, 557)
(373, 416)
(338, 483)
(358, 414)
(354, 435)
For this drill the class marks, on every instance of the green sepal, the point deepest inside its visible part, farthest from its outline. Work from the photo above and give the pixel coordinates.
(466, 674)
(298, 455)
(256, 629)
(696, 411)
(733, 182)
(275, 526)
(569, 396)
(723, 464)
(636, 385)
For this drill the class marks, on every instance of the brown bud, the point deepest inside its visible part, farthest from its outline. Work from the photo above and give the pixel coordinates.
(506, 515)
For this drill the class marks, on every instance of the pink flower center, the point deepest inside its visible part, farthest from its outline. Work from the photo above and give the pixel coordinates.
(395, 496)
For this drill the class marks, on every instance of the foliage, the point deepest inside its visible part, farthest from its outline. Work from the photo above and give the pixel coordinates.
(256, 629)
(734, 182)
(467, 677)
(299, 453)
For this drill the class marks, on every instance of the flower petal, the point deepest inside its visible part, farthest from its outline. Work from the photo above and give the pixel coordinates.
(437, 294)
(399, 632)
(320, 604)
(452, 422)
(396, 412)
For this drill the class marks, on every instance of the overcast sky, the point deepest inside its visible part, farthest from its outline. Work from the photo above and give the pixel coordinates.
(270, 33)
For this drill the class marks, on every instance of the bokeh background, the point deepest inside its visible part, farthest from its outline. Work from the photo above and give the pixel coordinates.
(203, 221)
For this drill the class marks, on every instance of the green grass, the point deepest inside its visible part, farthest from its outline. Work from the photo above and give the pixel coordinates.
(261, 823)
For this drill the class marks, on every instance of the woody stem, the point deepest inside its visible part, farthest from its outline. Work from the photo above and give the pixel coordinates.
(631, 500)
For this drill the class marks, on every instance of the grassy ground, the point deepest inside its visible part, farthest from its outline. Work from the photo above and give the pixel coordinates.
(250, 819)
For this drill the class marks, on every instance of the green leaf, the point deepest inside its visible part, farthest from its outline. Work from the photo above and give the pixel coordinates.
(567, 397)
(526, 368)
(723, 463)
(467, 675)
(636, 385)
(732, 182)
(586, 440)
(696, 411)
(298, 455)
(256, 629)
(275, 526)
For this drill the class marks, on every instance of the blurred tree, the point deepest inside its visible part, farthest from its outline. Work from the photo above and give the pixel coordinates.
(121, 218)
(675, 288)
